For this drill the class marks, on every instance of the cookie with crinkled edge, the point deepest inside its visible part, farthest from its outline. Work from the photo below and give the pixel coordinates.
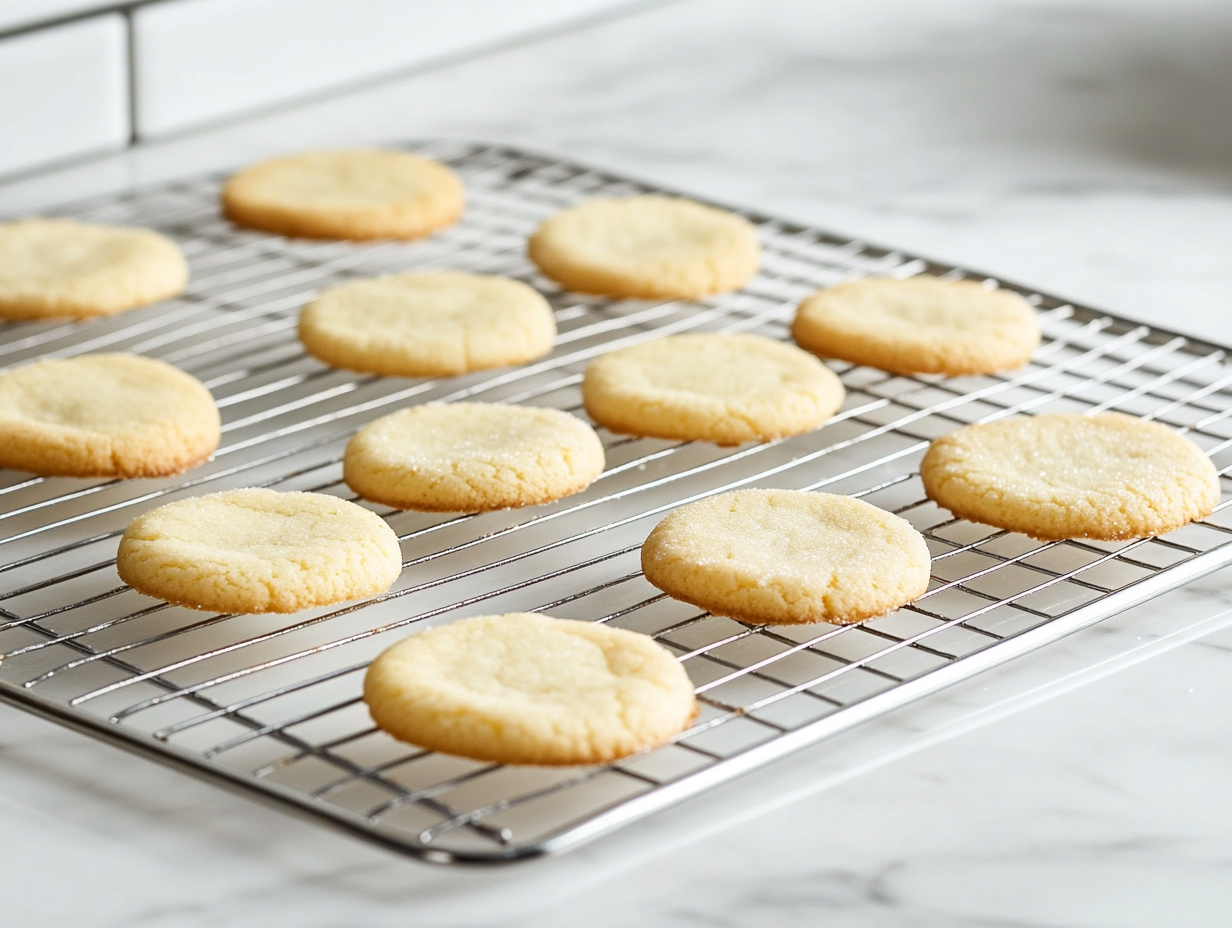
(258, 550)
(1106, 476)
(646, 246)
(427, 324)
(524, 688)
(64, 269)
(787, 557)
(105, 415)
(472, 457)
(924, 325)
(711, 387)
(358, 194)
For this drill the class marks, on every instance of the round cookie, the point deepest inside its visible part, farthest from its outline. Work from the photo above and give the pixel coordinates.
(711, 387)
(1063, 475)
(528, 689)
(923, 325)
(353, 194)
(105, 415)
(472, 457)
(258, 550)
(787, 557)
(646, 246)
(61, 268)
(427, 324)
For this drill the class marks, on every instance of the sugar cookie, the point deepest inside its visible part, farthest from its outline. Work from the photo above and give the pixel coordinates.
(259, 550)
(529, 689)
(646, 246)
(786, 557)
(61, 268)
(105, 415)
(711, 387)
(1063, 475)
(428, 324)
(919, 325)
(355, 194)
(472, 457)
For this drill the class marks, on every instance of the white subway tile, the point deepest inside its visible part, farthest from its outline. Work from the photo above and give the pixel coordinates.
(202, 60)
(63, 93)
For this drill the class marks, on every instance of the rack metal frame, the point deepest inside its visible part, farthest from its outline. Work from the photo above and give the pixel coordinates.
(270, 706)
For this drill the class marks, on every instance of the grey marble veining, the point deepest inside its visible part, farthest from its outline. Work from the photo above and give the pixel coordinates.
(1081, 147)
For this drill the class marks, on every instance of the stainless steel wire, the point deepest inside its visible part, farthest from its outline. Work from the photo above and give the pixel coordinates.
(270, 705)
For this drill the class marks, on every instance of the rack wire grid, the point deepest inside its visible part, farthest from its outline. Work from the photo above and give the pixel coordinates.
(271, 705)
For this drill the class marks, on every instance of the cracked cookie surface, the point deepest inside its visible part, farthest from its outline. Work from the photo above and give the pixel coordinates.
(1107, 476)
(357, 193)
(711, 387)
(924, 325)
(427, 324)
(61, 268)
(525, 688)
(258, 550)
(646, 246)
(787, 557)
(105, 415)
(472, 457)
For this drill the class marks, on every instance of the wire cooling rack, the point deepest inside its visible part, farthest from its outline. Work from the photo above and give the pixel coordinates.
(270, 705)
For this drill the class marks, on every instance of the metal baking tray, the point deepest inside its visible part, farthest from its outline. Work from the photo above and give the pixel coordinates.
(270, 705)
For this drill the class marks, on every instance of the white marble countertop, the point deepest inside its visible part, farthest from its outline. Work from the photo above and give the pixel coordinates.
(1078, 147)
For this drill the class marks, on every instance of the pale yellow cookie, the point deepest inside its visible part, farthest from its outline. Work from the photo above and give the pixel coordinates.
(711, 387)
(646, 246)
(105, 415)
(1106, 476)
(356, 194)
(786, 557)
(61, 268)
(258, 550)
(428, 324)
(529, 689)
(921, 325)
(472, 457)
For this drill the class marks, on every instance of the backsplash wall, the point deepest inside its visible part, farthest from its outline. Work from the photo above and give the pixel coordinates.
(81, 78)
